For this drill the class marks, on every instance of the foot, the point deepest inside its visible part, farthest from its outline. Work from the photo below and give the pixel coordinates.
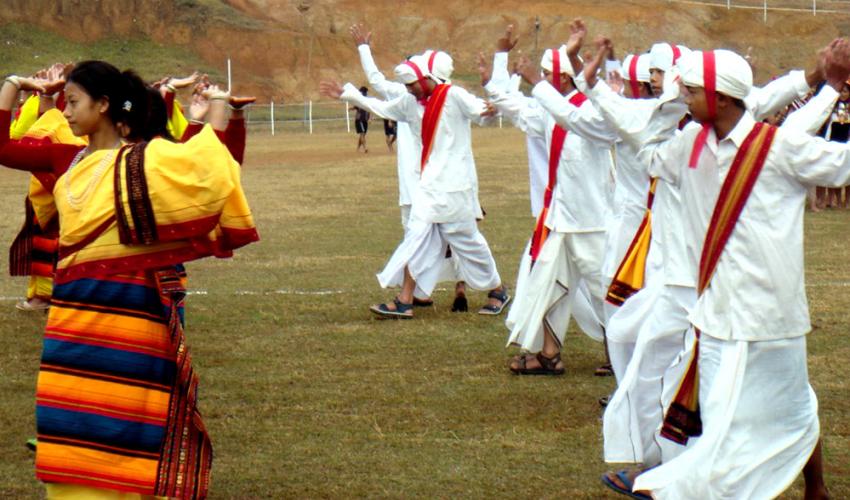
(604, 400)
(497, 299)
(604, 370)
(460, 303)
(33, 304)
(819, 493)
(537, 364)
(393, 310)
(622, 482)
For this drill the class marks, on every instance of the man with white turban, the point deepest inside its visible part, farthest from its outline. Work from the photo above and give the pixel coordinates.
(445, 202)
(566, 250)
(498, 82)
(634, 414)
(756, 413)
(408, 152)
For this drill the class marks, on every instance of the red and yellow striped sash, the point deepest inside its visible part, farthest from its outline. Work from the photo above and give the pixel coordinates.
(631, 275)
(683, 417)
(430, 121)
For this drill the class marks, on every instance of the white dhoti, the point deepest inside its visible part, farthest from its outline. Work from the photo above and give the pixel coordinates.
(423, 252)
(550, 290)
(634, 414)
(760, 424)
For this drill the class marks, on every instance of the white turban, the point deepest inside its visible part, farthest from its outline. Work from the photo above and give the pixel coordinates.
(734, 77)
(642, 68)
(438, 65)
(405, 74)
(566, 67)
(662, 56)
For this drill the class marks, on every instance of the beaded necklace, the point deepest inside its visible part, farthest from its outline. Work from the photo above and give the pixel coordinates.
(76, 202)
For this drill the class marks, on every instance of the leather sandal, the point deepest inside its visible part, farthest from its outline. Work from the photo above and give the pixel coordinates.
(548, 366)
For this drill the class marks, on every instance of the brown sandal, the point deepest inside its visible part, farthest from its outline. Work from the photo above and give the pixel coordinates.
(548, 366)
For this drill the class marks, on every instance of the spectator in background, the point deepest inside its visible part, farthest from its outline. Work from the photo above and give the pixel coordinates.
(390, 132)
(361, 123)
(836, 129)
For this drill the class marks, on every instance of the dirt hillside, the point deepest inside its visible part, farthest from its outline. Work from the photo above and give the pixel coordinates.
(282, 47)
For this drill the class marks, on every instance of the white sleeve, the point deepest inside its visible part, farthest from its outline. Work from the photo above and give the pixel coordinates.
(812, 161)
(471, 106)
(500, 76)
(811, 117)
(386, 88)
(400, 109)
(519, 110)
(773, 97)
(582, 120)
(666, 152)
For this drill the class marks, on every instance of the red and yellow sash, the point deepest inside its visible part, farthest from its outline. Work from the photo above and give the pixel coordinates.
(683, 417)
(631, 274)
(431, 120)
(556, 148)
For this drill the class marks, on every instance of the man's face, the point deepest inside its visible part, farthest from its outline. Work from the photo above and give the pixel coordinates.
(656, 81)
(845, 93)
(697, 104)
(415, 89)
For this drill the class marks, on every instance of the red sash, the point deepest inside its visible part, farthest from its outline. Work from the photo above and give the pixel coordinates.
(710, 83)
(683, 417)
(430, 121)
(559, 136)
(633, 81)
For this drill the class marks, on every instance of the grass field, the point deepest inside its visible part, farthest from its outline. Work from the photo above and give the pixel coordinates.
(306, 395)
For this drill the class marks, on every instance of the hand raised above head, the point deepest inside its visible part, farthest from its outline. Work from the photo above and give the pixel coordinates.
(180, 83)
(591, 67)
(360, 35)
(837, 63)
(577, 33)
(528, 71)
(506, 43)
(330, 88)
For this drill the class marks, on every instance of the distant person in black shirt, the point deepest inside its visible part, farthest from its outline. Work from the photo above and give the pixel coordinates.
(390, 132)
(361, 123)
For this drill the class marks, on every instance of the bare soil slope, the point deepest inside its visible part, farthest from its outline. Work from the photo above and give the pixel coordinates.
(282, 47)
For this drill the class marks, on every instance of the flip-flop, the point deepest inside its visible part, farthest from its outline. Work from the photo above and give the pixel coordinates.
(402, 311)
(32, 444)
(490, 309)
(460, 304)
(623, 476)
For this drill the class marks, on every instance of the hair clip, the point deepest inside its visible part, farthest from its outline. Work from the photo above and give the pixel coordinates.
(128, 106)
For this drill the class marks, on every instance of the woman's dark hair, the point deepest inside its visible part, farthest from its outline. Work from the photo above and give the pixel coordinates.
(157, 124)
(128, 96)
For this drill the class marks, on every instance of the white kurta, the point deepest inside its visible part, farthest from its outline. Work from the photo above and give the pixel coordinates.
(445, 201)
(633, 418)
(759, 412)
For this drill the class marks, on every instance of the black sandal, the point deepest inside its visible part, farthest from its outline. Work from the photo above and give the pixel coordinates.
(490, 309)
(402, 310)
(548, 366)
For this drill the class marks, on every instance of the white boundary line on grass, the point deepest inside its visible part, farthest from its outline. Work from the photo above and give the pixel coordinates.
(319, 293)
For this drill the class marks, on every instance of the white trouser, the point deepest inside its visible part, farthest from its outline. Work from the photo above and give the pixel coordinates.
(634, 414)
(760, 424)
(423, 252)
(551, 291)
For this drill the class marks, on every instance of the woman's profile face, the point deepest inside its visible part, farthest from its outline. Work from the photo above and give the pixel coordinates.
(83, 113)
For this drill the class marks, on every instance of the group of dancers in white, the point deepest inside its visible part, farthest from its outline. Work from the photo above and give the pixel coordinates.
(669, 223)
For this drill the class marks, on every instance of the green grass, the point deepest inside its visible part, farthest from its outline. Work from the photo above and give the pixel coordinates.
(28, 49)
(307, 396)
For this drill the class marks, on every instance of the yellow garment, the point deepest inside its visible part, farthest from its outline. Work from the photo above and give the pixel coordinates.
(27, 116)
(193, 187)
(177, 123)
(50, 127)
(61, 491)
(41, 287)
